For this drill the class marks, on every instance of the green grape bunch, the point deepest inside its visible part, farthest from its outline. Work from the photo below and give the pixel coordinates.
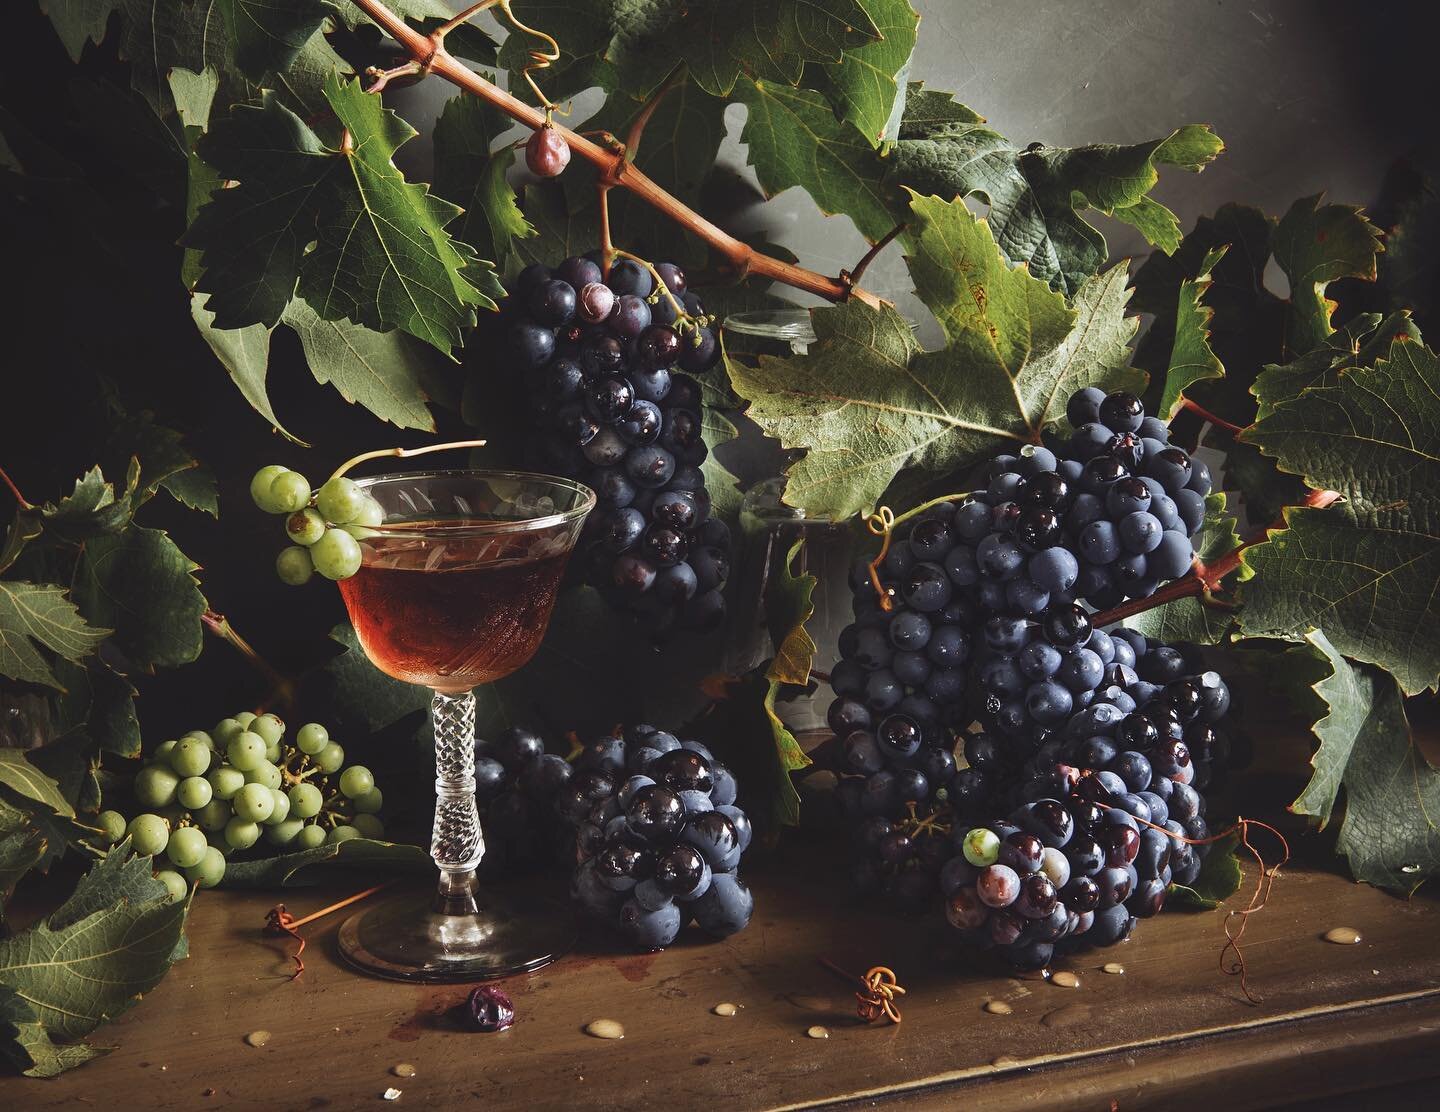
(210, 795)
(322, 525)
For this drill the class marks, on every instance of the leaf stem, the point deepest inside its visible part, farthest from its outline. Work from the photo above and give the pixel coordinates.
(743, 258)
(19, 498)
(404, 453)
(637, 127)
(1205, 415)
(281, 686)
(853, 275)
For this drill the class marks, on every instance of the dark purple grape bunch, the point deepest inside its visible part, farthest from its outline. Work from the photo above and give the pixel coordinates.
(517, 784)
(608, 365)
(658, 838)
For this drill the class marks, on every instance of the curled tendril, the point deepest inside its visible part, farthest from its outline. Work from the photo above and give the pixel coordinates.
(539, 60)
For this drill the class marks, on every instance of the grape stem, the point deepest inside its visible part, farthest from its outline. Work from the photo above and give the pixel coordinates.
(1205, 415)
(14, 490)
(851, 276)
(404, 453)
(281, 687)
(637, 126)
(1205, 579)
(430, 52)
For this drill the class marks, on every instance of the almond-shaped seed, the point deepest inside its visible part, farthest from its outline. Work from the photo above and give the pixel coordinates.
(1113, 967)
(818, 1032)
(1065, 979)
(403, 1069)
(604, 1029)
(998, 1007)
(725, 1009)
(1342, 936)
(258, 1038)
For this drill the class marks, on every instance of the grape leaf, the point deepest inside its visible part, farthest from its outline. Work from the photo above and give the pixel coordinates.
(382, 371)
(266, 35)
(560, 231)
(36, 614)
(100, 703)
(92, 508)
(20, 775)
(718, 403)
(789, 604)
(867, 85)
(467, 173)
(583, 30)
(1387, 833)
(93, 958)
(313, 866)
(165, 463)
(22, 847)
(793, 138)
(866, 403)
(245, 355)
(1036, 194)
(1363, 571)
(1192, 359)
(466, 41)
(1359, 343)
(140, 584)
(1314, 247)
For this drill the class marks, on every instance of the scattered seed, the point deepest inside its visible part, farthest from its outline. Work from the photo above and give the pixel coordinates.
(258, 1038)
(1112, 967)
(208, 1093)
(998, 1007)
(1065, 979)
(818, 1032)
(391, 1094)
(1342, 936)
(604, 1029)
(725, 1009)
(403, 1069)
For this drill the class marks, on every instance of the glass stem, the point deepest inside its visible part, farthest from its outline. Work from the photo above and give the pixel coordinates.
(457, 844)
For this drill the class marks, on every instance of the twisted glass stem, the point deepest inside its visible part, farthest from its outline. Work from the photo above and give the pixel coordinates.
(457, 844)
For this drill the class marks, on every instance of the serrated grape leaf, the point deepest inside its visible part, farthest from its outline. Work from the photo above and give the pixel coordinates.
(194, 94)
(93, 508)
(266, 35)
(382, 371)
(165, 463)
(1192, 359)
(467, 173)
(17, 773)
(1363, 571)
(1193, 619)
(560, 231)
(22, 848)
(1359, 343)
(26, 1045)
(1219, 879)
(1392, 794)
(1315, 246)
(466, 41)
(93, 958)
(583, 30)
(245, 355)
(789, 604)
(866, 403)
(39, 614)
(867, 85)
(1036, 194)
(23, 529)
(793, 138)
(99, 702)
(313, 866)
(141, 585)
(718, 402)
(73, 762)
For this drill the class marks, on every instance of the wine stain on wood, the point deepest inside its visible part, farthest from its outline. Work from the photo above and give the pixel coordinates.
(432, 1012)
(808, 1003)
(1070, 1015)
(634, 969)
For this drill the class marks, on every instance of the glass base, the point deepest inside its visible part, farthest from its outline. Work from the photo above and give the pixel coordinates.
(405, 939)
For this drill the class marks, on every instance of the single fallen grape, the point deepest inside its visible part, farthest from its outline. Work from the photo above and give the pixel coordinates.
(174, 884)
(155, 786)
(342, 834)
(209, 870)
(187, 847)
(336, 555)
(289, 492)
(305, 526)
(355, 781)
(306, 801)
(310, 837)
(253, 803)
(340, 500)
(246, 751)
(311, 738)
(190, 757)
(194, 793)
(331, 758)
(294, 566)
(546, 153)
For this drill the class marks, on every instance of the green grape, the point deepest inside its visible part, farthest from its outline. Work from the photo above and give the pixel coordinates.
(269, 727)
(260, 487)
(174, 884)
(272, 753)
(283, 833)
(226, 781)
(310, 836)
(216, 838)
(341, 834)
(981, 847)
(370, 514)
(245, 717)
(294, 566)
(305, 527)
(155, 786)
(209, 870)
(190, 757)
(194, 792)
(336, 554)
(289, 492)
(199, 735)
(281, 809)
(265, 773)
(253, 803)
(163, 751)
(330, 758)
(187, 847)
(226, 730)
(112, 824)
(246, 751)
(241, 834)
(311, 738)
(340, 500)
(306, 801)
(369, 803)
(356, 781)
(148, 834)
(369, 826)
(213, 816)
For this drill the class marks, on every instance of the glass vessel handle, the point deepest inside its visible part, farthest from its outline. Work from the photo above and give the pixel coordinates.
(457, 844)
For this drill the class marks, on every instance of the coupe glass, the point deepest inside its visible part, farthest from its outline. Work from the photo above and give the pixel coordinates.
(455, 589)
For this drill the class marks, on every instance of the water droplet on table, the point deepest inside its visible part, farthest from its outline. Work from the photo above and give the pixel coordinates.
(403, 1069)
(998, 1007)
(1113, 967)
(818, 1032)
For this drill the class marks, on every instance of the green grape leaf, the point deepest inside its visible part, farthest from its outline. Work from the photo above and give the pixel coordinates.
(789, 604)
(1193, 619)
(584, 31)
(21, 776)
(1315, 246)
(718, 403)
(1364, 570)
(867, 85)
(245, 355)
(560, 230)
(467, 173)
(100, 703)
(1359, 343)
(194, 95)
(866, 403)
(23, 529)
(79, 22)
(266, 35)
(466, 41)
(26, 1045)
(1388, 832)
(793, 138)
(1219, 879)
(1036, 194)
(383, 371)
(22, 848)
(141, 585)
(1192, 359)
(93, 508)
(165, 463)
(39, 614)
(93, 958)
(314, 866)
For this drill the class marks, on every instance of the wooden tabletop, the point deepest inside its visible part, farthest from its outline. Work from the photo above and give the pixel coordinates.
(1170, 1032)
